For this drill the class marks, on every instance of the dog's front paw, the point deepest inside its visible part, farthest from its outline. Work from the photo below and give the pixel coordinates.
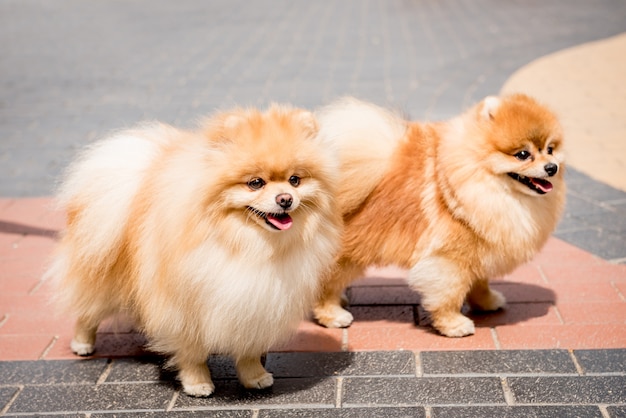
(458, 326)
(82, 349)
(199, 389)
(264, 381)
(334, 317)
(196, 378)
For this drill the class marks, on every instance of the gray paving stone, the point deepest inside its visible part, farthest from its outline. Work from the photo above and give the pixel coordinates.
(341, 364)
(612, 220)
(569, 390)
(45, 415)
(421, 391)
(51, 371)
(397, 313)
(497, 362)
(599, 192)
(85, 398)
(6, 394)
(602, 361)
(594, 217)
(616, 411)
(580, 206)
(307, 391)
(153, 369)
(389, 412)
(179, 414)
(138, 369)
(517, 412)
(393, 295)
(595, 240)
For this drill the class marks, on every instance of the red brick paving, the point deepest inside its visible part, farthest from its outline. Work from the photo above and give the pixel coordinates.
(571, 336)
(564, 298)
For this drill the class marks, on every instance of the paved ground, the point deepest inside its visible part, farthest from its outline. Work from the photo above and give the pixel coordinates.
(72, 71)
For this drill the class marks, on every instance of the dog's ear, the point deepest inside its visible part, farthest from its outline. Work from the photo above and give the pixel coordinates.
(489, 107)
(232, 121)
(308, 121)
(221, 127)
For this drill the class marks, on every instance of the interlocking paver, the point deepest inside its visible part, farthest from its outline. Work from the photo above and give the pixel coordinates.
(569, 390)
(310, 392)
(504, 383)
(497, 362)
(422, 391)
(51, 372)
(73, 398)
(572, 336)
(341, 364)
(6, 394)
(518, 412)
(602, 361)
(180, 414)
(616, 411)
(387, 412)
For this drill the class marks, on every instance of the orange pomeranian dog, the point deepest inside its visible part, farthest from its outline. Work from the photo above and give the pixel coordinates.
(214, 241)
(456, 202)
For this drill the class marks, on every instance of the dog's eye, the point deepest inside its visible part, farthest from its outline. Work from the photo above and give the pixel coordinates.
(522, 155)
(256, 183)
(550, 150)
(294, 181)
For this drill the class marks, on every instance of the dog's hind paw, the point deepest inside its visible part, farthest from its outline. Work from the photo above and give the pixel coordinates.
(262, 382)
(491, 301)
(82, 349)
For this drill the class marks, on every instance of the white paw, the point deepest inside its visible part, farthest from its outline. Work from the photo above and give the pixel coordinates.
(265, 381)
(339, 318)
(82, 349)
(498, 300)
(199, 389)
(342, 319)
(492, 302)
(459, 327)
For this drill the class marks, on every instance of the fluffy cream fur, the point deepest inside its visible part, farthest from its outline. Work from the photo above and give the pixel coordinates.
(441, 200)
(170, 227)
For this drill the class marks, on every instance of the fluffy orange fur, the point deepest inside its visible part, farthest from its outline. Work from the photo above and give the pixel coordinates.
(441, 200)
(214, 241)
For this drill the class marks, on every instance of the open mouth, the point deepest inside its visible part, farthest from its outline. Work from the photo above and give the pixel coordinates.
(278, 221)
(540, 186)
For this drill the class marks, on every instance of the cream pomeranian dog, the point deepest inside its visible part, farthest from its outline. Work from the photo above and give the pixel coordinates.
(214, 241)
(456, 202)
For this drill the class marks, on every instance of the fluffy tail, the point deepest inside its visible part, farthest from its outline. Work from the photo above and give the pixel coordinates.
(364, 136)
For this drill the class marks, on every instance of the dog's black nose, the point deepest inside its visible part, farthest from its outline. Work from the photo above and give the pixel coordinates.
(284, 200)
(551, 169)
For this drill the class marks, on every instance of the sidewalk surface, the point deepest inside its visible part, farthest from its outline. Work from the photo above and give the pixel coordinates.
(73, 71)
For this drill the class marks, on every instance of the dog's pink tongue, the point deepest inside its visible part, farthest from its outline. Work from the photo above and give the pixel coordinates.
(283, 222)
(544, 185)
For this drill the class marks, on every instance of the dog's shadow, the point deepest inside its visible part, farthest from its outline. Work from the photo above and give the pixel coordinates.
(295, 374)
(23, 229)
(526, 303)
(398, 303)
